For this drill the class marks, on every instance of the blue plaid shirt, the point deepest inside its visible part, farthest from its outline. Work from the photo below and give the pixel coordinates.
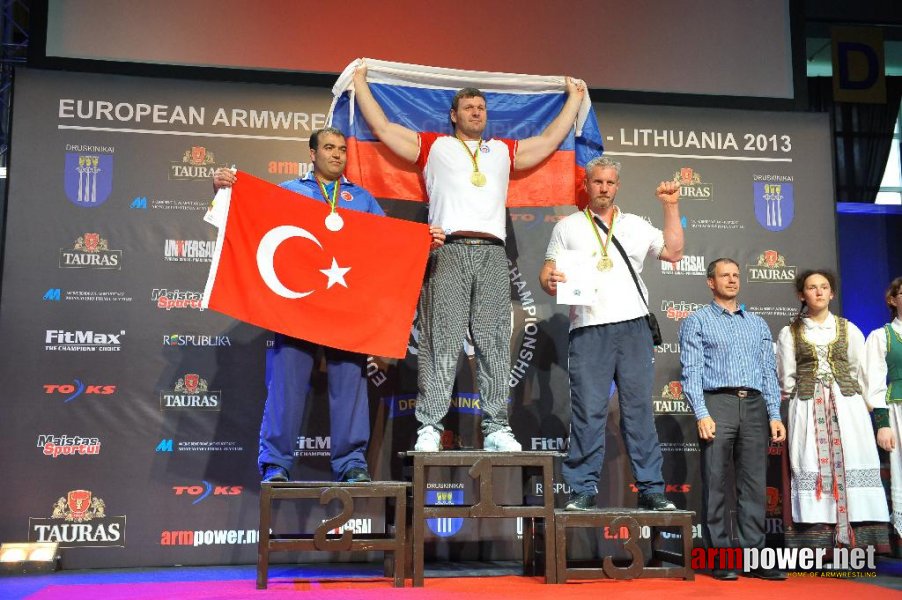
(720, 349)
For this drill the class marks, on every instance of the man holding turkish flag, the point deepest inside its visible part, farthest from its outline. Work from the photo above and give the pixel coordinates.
(305, 260)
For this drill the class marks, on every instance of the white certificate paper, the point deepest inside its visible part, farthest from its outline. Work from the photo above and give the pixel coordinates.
(582, 282)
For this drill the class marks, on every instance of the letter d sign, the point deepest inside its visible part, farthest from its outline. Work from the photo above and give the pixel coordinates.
(858, 65)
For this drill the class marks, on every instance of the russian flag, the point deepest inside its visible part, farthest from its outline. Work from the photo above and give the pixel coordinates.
(419, 97)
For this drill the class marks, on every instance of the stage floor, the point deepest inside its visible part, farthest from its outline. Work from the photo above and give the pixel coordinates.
(457, 581)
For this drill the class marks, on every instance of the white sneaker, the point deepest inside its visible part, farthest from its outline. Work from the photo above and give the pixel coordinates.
(428, 440)
(501, 441)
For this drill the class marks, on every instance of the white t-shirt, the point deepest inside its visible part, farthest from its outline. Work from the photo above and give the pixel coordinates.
(618, 299)
(455, 204)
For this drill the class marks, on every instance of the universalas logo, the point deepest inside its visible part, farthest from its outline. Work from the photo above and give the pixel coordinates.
(189, 250)
(191, 392)
(771, 267)
(78, 519)
(90, 251)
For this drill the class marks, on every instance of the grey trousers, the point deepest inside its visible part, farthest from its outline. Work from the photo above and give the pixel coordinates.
(466, 287)
(740, 445)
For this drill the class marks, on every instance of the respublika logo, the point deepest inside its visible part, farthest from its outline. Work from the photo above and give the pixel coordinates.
(182, 340)
(169, 299)
(73, 390)
(445, 526)
(78, 520)
(207, 489)
(774, 206)
(673, 401)
(60, 340)
(88, 178)
(90, 251)
(691, 186)
(771, 267)
(690, 264)
(189, 250)
(68, 445)
(191, 392)
(197, 163)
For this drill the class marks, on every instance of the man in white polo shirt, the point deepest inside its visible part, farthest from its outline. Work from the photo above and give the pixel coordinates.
(467, 282)
(610, 339)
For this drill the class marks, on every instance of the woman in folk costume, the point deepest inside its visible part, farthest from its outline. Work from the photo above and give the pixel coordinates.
(883, 385)
(837, 495)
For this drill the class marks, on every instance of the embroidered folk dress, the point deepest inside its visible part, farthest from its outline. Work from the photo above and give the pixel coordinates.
(883, 386)
(815, 497)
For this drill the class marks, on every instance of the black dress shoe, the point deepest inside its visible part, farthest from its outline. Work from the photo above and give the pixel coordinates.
(356, 475)
(581, 502)
(655, 502)
(274, 474)
(725, 574)
(769, 574)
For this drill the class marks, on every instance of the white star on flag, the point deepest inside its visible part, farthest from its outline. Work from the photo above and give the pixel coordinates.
(335, 274)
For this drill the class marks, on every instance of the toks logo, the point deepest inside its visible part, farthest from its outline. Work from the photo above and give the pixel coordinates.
(673, 401)
(77, 388)
(191, 392)
(771, 268)
(78, 519)
(691, 186)
(202, 492)
(90, 251)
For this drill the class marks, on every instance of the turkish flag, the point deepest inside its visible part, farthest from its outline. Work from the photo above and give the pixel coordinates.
(277, 266)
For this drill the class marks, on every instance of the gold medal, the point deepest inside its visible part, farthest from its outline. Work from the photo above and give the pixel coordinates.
(478, 179)
(605, 264)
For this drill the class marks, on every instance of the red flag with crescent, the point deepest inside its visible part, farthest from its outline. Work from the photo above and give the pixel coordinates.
(278, 266)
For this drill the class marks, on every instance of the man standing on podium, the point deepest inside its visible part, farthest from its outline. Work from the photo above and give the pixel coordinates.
(467, 281)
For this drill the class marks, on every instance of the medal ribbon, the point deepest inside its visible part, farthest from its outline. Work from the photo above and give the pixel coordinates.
(604, 246)
(334, 199)
(474, 156)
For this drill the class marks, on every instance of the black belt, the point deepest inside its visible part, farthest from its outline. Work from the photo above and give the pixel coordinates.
(473, 241)
(739, 392)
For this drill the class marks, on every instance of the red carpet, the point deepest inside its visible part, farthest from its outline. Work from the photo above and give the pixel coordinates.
(476, 588)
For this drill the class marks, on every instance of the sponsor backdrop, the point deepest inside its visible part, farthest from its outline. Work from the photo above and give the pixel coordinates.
(131, 415)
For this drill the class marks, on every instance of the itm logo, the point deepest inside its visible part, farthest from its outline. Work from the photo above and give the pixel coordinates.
(197, 163)
(771, 267)
(313, 446)
(90, 251)
(140, 202)
(691, 186)
(52, 295)
(77, 388)
(774, 206)
(541, 443)
(202, 492)
(164, 446)
(673, 401)
(445, 526)
(88, 178)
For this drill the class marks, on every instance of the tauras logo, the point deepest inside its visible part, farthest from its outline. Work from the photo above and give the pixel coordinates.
(771, 267)
(691, 186)
(68, 445)
(191, 392)
(90, 251)
(82, 341)
(78, 519)
(197, 163)
(673, 401)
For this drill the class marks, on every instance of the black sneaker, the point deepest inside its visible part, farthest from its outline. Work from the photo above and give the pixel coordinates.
(769, 574)
(274, 474)
(356, 475)
(655, 502)
(725, 574)
(581, 502)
